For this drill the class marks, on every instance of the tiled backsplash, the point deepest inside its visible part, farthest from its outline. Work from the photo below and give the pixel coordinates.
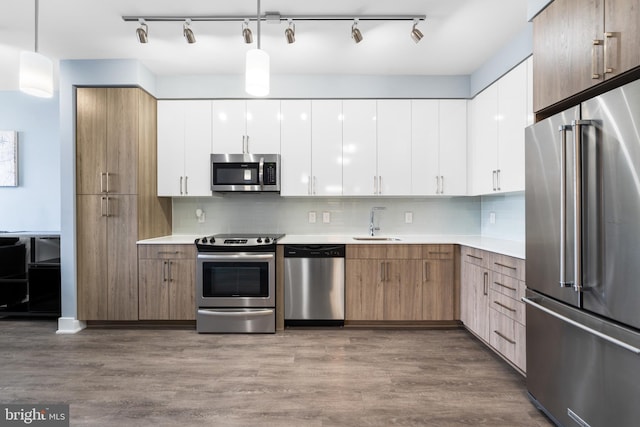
(509, 213)
(264, 212)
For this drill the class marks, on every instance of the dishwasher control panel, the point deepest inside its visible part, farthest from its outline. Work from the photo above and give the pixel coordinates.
(314, 251)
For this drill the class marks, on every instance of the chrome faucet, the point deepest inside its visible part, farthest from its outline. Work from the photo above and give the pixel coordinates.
(372, 227)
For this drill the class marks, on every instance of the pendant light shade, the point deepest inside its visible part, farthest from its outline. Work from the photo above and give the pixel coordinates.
(36, 70)
(36, 74)
(257, 72)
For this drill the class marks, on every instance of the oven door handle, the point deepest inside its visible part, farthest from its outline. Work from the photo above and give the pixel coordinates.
(235, 257)
(251, 313)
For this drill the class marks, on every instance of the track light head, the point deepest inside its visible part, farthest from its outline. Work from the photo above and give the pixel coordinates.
(246, 32)
(187, 32)
(356, 35)
(290, 32)
(416, 34)
(142, 32)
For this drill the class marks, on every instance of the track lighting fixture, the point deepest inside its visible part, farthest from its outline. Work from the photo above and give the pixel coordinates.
(246, 32)
(416, 34)
(290, 32)
(36, 70)
(187, 32)
(142, 32)
(356, 35)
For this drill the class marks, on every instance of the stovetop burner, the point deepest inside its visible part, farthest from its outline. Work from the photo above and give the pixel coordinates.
(238, 242)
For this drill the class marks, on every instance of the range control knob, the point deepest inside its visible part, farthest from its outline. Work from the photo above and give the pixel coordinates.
(203, 240)
(212, 240)
(259, 240)
(267, 240)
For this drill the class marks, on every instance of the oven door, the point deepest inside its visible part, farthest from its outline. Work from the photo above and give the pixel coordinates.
(235, 280)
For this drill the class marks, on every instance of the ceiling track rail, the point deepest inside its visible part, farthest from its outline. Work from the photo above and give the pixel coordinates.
(271, 17)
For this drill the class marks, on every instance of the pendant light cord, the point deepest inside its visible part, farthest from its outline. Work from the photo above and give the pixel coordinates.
(36, 20)
(258, 19)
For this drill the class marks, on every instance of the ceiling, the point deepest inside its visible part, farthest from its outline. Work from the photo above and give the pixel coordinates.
(459, 35)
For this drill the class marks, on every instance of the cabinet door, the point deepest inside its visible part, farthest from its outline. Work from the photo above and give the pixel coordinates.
(402, 289)
(512, 114)
(359, 171)
(483, 141)
(622, 21)
(394, 147)
(122, 140)
(171, 137)
(229, 126)
(197, 148)
(563, 49)
(364, 291)
(474, 311)
(453, 147)
(153, 289)
(263, 126)
(438, 289)
(296, 148)
(91, 264)
(122, 258)
(326, 147)
(182, 285)
(425, 137)
(91, 140)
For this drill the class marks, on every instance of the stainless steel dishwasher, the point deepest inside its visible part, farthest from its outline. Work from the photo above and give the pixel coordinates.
(314, 285)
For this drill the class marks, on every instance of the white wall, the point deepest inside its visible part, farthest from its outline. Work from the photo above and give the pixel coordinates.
(35, 204)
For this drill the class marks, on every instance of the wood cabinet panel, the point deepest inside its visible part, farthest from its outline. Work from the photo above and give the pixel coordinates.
(402, 290)
(364, 294)
(153, 289)
(438, 292)
(474, 297)
(510, 307)
(508, 338)
(122, 140)
(182, 293)
(91, 137)
(366, 251)
(622, 25)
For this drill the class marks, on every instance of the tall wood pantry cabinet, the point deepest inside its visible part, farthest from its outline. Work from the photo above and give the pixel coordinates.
(116, 202)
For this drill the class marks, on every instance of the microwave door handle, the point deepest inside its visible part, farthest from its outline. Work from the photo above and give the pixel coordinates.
(261, 172)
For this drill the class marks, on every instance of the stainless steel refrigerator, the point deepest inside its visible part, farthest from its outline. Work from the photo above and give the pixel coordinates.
(583, 261)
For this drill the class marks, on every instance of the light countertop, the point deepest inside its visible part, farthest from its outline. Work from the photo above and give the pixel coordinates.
(29, 233)
(505, 247)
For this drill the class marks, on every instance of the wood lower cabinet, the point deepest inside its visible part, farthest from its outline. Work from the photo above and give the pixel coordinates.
(394, 282)
(474, 297)
(166, 282)
(116, 198)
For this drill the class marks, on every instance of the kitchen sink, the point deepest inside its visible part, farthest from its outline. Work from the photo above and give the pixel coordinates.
(377, 239)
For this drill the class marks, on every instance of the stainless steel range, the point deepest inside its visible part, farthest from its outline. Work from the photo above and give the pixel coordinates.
(235, 283)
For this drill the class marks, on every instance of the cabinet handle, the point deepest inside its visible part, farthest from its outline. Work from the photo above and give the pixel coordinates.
(382, 271)
(506, 307)
(495, 179)
(475, 257)
(108, 210)
(108, 174)
(309, 186)
(607, 49)
(447, 253)
(379, 185)
(314, 185)
(181, 186)
(506, 266)
(485, 284)
(375, 184)
(498, 174)
(505, 286)
(437, 184)
(102, 174)
(168, 252)
(247, 144)
(186, 184)
(441, 184)
(102, 213)
(427, 271)
(170, 272)
(244, 144)
(510, 341)
(595, 75)
(388, 269)
(165, 267)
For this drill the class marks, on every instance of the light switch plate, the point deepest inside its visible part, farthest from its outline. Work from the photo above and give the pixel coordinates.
(326, 217)
(408, 217)
(312, 217)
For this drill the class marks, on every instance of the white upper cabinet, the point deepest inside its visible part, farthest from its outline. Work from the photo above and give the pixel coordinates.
(359, 148)
(326, 147)
(497, 118)
(296, 174)
(439, 147)
(246, 126)
(394, 147)
(184, 148)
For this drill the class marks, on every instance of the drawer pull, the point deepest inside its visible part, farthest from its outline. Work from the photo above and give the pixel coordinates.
(440, 253)
(474, 257)
(506, 307)
(168, 252)
(505, 286)
(510, 341)
(505, 266)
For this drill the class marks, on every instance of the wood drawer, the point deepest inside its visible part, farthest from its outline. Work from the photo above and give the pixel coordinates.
(386, 251)
(167, 251)
(509, 286)
(509, 266)
(507, 306)
(475, 256)
(437, 251)
(508, 337)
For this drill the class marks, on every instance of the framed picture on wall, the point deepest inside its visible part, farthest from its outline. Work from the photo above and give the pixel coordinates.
(8, 158)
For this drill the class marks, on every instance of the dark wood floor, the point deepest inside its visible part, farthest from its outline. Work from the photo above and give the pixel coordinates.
(301, 377)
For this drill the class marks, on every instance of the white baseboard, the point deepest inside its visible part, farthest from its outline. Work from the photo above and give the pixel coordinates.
(69, 325)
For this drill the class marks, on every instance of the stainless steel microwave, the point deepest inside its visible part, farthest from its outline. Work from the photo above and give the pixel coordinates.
(245, 172)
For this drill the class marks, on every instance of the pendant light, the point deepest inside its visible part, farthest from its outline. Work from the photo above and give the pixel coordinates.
(257, 68)
(36, 70)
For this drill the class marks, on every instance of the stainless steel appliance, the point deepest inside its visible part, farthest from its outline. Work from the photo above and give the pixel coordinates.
(245, 172)
(314, 284)
(583, 261)
(235, 283)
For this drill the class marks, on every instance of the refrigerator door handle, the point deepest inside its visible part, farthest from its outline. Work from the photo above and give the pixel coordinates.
(563, 206)
(578, 325)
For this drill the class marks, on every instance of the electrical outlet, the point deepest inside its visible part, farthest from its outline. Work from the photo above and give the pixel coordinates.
(312, 217)
(492, 217)
(326, 217)
(408, 217)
